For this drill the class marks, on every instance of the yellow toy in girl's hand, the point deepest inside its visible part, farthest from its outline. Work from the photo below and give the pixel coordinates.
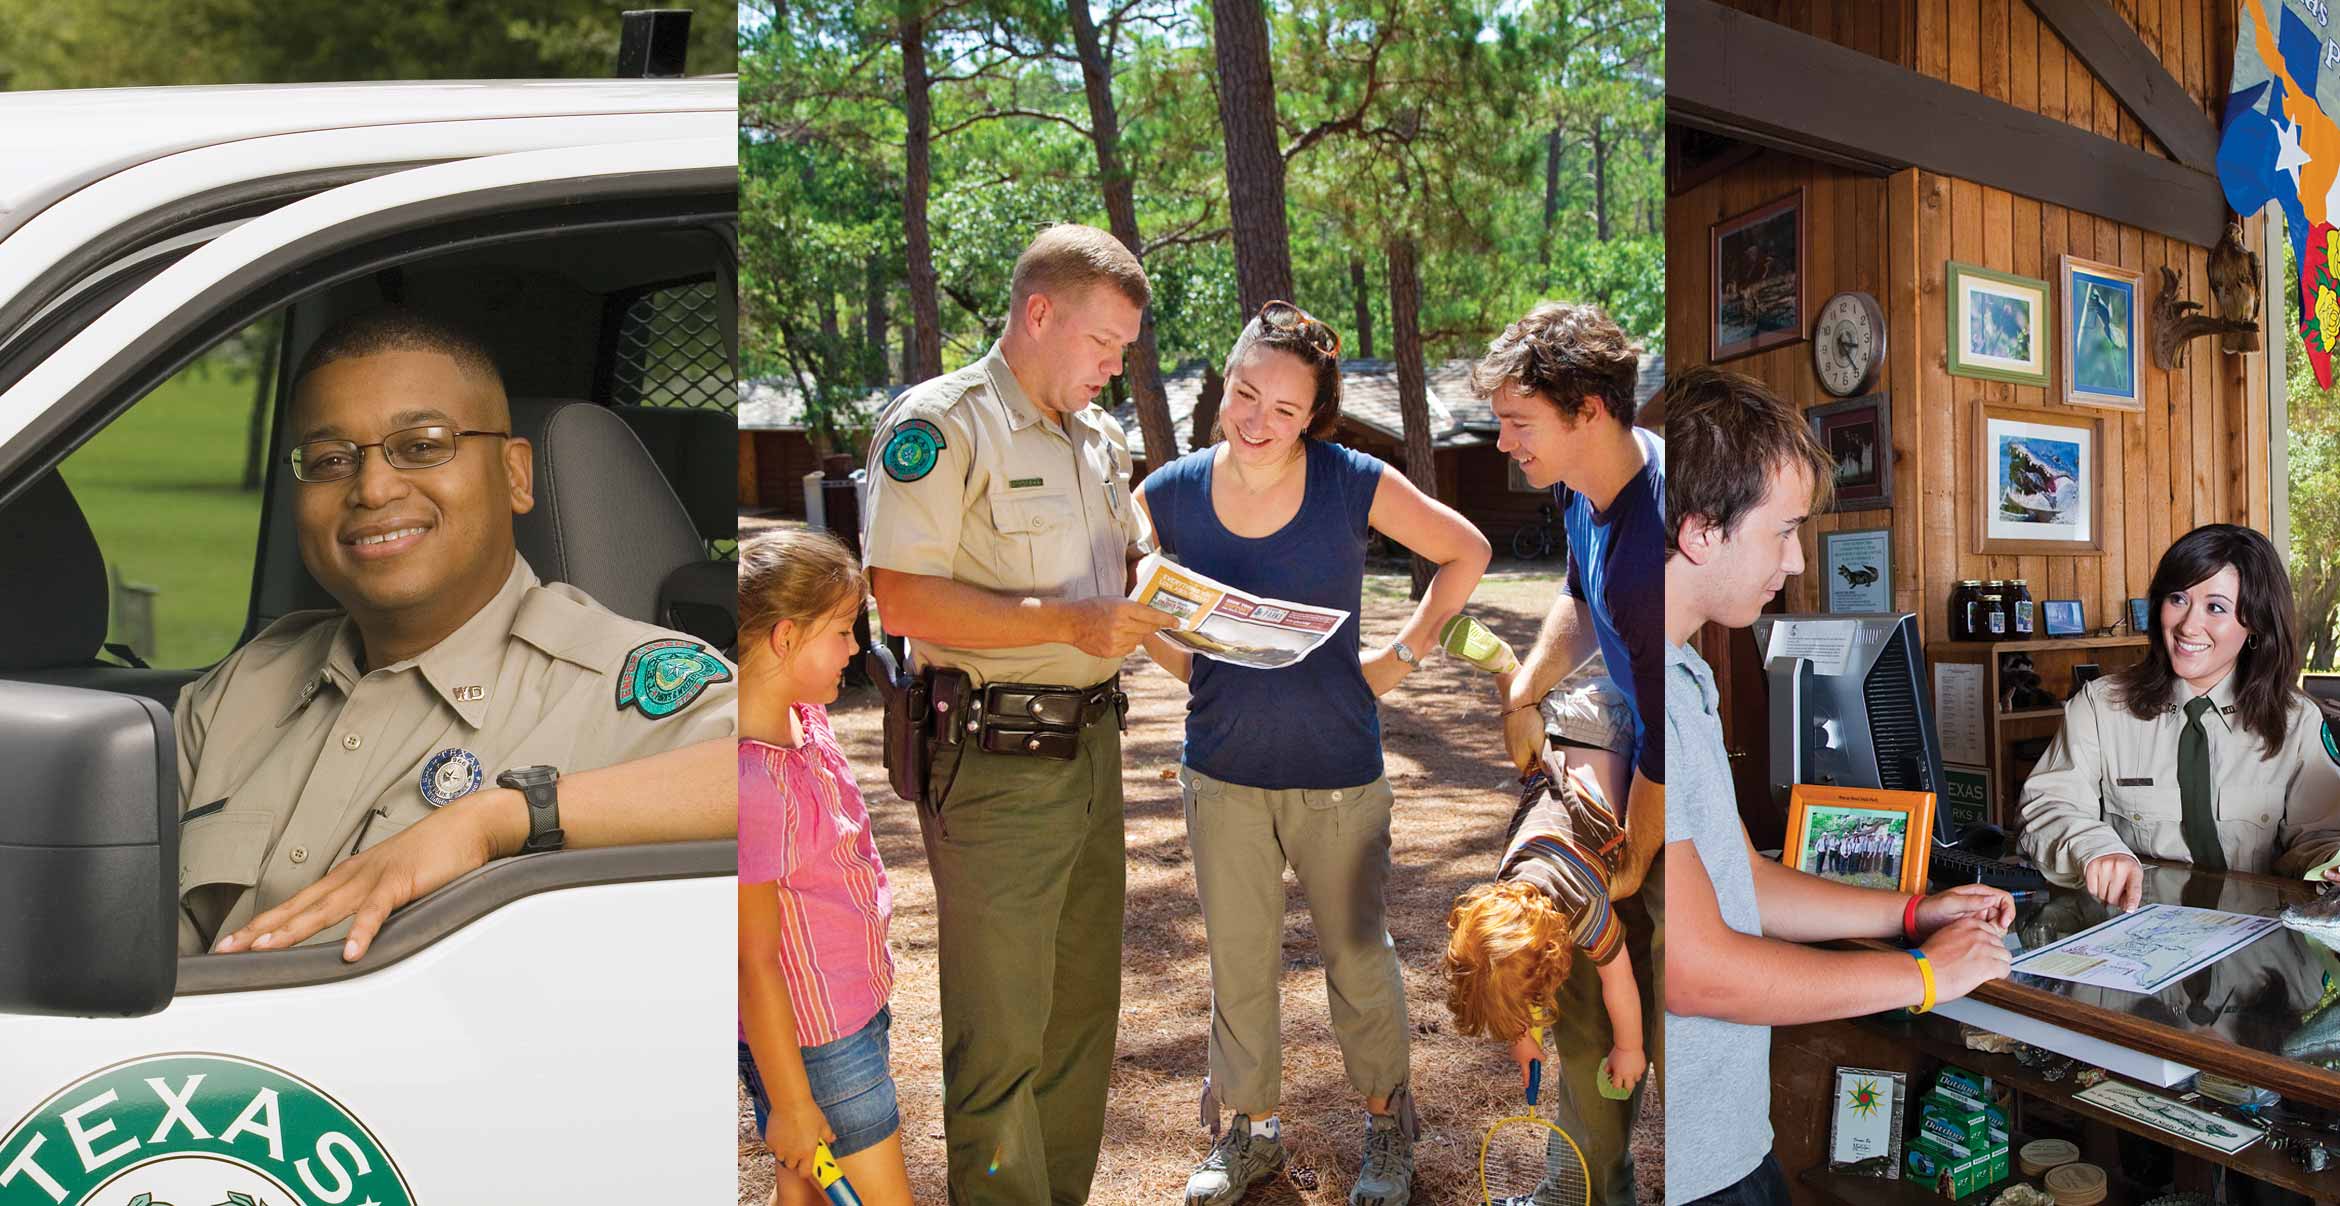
(831, 1179)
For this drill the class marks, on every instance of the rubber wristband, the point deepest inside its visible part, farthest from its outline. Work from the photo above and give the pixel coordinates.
(1909, 919)
(1926, 970)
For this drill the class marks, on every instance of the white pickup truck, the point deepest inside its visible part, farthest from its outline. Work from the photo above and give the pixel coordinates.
(550, 1028)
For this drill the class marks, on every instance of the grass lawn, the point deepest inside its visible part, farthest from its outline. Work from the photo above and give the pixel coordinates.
(162, 487)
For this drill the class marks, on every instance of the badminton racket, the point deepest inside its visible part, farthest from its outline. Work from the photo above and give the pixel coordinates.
(1528, 1161)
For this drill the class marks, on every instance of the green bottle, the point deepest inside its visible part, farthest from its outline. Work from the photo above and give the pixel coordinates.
(1470, 640)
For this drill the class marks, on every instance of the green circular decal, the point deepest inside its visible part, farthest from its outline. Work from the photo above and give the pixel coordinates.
(195, 1130)
(663, 677)
(910, 451)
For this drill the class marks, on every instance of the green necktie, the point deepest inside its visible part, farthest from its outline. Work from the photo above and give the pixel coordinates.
(2201, 822)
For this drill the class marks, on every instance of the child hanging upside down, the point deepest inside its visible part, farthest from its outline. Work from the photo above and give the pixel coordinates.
(1513, 938)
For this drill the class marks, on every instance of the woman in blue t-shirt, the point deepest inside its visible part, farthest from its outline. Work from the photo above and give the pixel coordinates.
(1283, 766)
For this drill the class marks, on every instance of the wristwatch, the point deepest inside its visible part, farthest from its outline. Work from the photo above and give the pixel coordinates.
(1404, 652)
(540, 786)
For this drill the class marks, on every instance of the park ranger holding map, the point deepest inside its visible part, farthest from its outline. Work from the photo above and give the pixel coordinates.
(1000, 536)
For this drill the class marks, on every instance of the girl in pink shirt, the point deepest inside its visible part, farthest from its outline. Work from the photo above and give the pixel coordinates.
(814, 972)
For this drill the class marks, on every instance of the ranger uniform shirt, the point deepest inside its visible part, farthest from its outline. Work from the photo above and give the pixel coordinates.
(968, 480)
(291, 759)
(2108, 784)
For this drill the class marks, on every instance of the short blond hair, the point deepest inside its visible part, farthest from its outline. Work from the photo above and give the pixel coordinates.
(1069, 256)
(1508, 953)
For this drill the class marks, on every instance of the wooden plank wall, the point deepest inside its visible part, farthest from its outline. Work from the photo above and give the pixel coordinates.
(2198, 453)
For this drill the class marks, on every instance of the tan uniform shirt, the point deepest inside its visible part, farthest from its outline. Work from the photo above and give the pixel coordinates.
(968, 480)
(2108, 785)
(291, 759)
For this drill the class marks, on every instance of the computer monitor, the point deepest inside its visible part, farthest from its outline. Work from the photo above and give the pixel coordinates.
(1849, 705)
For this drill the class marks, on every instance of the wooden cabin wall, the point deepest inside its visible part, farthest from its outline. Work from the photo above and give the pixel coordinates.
(2198, 452)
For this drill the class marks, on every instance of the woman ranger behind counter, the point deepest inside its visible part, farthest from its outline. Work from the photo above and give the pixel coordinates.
(2205, 752)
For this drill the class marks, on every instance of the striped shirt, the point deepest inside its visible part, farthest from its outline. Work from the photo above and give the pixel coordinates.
(1565, 840)
(802, 826)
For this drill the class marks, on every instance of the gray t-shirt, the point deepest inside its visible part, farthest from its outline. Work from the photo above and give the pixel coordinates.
(1718, 1074)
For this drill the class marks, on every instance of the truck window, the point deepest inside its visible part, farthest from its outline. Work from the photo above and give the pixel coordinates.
(670, 349)
(172, 490)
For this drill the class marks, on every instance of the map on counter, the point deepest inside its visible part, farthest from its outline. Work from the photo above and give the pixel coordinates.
(2177, 1118)
(2147, 950)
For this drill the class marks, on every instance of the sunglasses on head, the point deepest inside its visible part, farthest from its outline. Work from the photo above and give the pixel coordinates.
(1284, 316)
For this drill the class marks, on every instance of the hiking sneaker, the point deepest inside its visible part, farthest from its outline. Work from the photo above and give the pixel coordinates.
(1386, 1178)
(1236, 1160)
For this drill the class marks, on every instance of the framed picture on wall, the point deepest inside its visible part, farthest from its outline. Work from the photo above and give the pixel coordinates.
(1998, 325)
(2104, 335)
(1858, 434)
(1860, 570)
(1756, 263)
(2038, 486)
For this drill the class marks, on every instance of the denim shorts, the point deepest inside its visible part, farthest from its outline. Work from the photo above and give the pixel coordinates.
(851, 1082)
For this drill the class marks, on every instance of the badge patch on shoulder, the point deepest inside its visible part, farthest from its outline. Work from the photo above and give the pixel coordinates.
(662, 677)
(2331, 747)
(910, 451)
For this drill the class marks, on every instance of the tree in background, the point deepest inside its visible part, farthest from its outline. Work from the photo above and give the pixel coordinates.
(1386, 119)
(2313, 476)
(133, 43)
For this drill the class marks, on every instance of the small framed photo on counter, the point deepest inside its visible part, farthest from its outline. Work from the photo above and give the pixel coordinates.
(1863, 836)
(2140, 619)
(1864, 1122)
(2062, 618)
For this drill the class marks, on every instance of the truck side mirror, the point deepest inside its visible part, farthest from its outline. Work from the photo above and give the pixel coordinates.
(89, 852)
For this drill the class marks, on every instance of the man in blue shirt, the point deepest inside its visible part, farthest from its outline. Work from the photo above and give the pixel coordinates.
(1561, 383)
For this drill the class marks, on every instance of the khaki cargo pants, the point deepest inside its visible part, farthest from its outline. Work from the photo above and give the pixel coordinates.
(1581, 1038)
(1026, 854)
(1336, 841)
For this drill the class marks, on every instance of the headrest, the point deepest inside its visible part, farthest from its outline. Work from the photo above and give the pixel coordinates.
(53, 607)
(698, 450)
(606, 521)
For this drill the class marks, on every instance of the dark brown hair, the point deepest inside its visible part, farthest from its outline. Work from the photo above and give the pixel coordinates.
(792, 574)
(1726, 434)
(1069, 256)
(1566, 352)
(2269, 662)
(1324, 411)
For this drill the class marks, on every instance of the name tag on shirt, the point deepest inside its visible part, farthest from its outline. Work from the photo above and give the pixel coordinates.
(2133, 782)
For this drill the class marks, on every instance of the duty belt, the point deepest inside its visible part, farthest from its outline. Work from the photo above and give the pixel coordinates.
(1042, 720)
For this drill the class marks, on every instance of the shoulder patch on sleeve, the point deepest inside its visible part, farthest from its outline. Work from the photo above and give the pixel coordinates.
(911, 450)
(2331, 747)
(662, 677)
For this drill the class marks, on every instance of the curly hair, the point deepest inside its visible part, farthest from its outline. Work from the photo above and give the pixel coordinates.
(1566, 352)
(1509, 952)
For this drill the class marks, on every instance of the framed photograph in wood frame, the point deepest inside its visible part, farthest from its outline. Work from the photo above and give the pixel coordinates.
(2038, 481)
(2103, 335)
(1860, 835)
(1755, 267)
(1999, 328)
(1858, 434)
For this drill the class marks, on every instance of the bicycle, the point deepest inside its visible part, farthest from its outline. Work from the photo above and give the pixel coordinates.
(1539, 540)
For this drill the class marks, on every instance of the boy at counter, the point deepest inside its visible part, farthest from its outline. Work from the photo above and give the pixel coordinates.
(1744, 474)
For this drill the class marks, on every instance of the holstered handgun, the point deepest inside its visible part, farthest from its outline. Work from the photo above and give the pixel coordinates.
(906, 718)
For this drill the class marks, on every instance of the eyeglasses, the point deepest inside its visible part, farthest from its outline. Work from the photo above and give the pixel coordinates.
(1284, 316)
(412, 448)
